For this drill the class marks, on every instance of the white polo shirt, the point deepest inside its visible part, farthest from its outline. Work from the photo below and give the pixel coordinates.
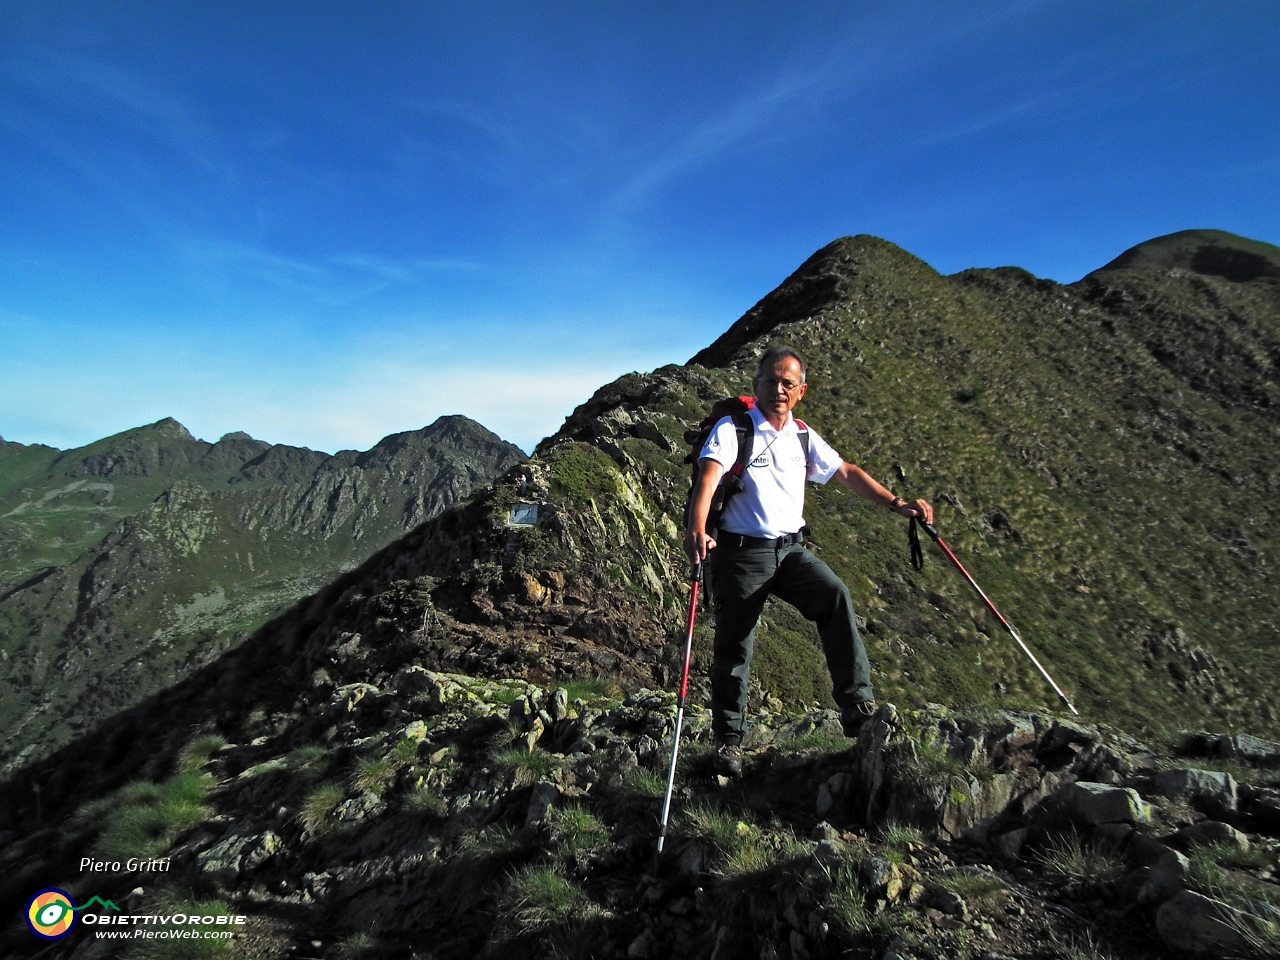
(771, 501)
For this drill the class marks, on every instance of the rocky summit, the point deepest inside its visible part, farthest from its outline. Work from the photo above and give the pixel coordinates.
(126, 564)
(459, 747)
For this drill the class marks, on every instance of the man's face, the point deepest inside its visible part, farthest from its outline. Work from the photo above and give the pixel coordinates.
(779, 388)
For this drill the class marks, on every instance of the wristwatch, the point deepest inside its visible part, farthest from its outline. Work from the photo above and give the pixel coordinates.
(897, 502)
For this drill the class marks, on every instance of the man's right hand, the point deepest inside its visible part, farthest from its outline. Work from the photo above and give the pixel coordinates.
(698, 544)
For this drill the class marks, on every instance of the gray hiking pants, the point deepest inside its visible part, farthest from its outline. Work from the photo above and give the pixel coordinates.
(742, 579)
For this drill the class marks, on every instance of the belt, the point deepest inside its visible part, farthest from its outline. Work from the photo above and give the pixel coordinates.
(741, 540)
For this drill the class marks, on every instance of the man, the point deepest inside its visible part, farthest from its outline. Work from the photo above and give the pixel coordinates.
(757, 550)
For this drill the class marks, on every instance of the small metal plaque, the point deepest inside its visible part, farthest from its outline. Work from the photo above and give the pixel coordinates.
(524, 515)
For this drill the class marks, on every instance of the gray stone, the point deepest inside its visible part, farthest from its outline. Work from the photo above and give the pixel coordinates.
(1112, 836)
(1208, 832)
(1145, 851)
(221, 862)
(693, 859)
(1166, 879)
(825, 831)
(1194, 923)
(544, 798)
(559, 707)
(1263, 752)
(880, 877)
(835, 787)
(641, 945)
(950, 903)
(1266, 813)
(1207, 787)
(1064, 734)
(262, 850)
(1009, 845)
(1096, 803)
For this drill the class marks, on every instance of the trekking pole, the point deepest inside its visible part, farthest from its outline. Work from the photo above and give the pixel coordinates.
(992, 607)
(684, 693)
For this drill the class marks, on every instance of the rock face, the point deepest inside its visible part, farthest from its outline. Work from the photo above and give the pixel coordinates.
(203, 543)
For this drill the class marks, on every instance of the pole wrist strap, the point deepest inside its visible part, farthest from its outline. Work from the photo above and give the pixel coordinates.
(913, 541)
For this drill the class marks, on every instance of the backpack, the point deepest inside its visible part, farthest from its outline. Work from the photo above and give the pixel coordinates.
(738, 408)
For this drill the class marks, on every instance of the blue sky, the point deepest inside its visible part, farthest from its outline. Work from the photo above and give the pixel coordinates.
(324, 222)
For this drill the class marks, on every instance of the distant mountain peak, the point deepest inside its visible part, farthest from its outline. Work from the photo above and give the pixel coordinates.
(837, 273)
(170, 427)
(1212, 252)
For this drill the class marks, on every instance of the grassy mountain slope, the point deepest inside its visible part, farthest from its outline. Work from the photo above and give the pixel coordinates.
(203, 543)
(1102, 458)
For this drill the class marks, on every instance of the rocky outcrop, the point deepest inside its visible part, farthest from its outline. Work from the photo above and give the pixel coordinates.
(455, 810)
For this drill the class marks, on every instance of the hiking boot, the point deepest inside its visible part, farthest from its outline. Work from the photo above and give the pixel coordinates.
(728, 762)
(854, 717)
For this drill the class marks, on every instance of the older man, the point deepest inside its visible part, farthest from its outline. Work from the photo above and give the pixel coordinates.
(757, 550)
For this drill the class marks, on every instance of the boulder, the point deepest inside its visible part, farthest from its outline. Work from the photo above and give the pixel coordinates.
(1193, 923)
(880, 877)
(543, 799)
(1208, 789)
(1096, 803)
(1208, 832)
(1009, 845)
(836, 786)
(1262, 752)
(1166, 879)
(1112, 836)
(1145, 851)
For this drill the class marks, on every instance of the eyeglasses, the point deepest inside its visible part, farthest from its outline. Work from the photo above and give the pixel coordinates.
(772, 384)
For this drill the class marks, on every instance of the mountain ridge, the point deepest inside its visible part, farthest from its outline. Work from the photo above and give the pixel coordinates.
(202, 542)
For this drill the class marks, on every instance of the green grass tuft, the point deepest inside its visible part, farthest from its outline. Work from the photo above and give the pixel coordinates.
(816, 742)
(403, 753)
(900, 834)
(645, 783)
(983, 889)
(1070, 856)
(592, 689)
(372, 774)
(536, 899)
(846, 898)
(527, 766)
(424, 800)
(199, 751)
(145, 818)
(320, 802)
(576, 830)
